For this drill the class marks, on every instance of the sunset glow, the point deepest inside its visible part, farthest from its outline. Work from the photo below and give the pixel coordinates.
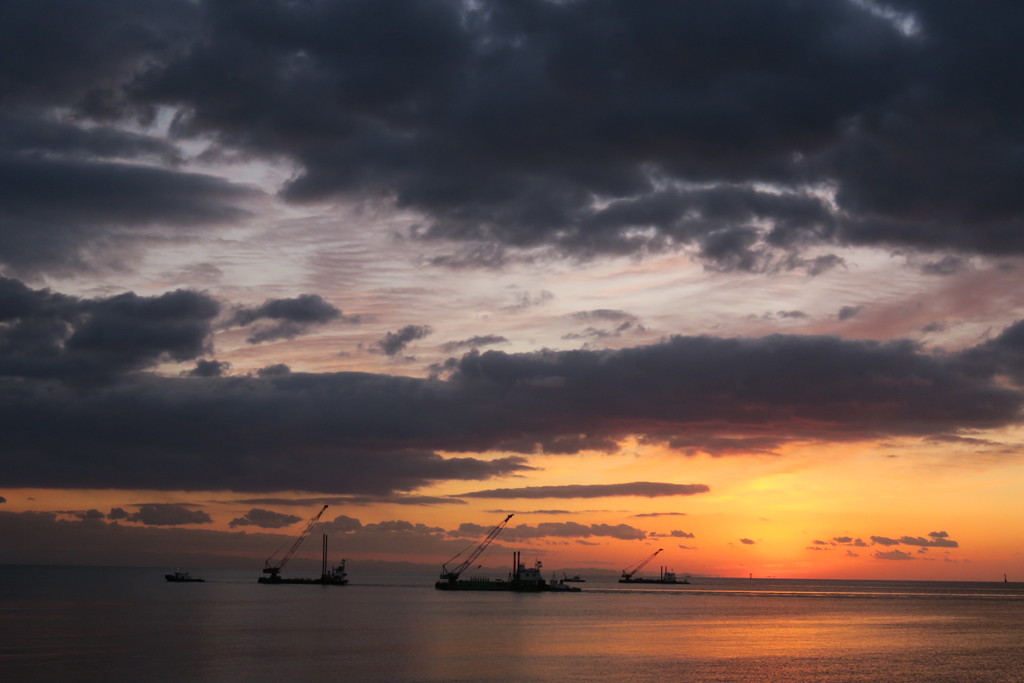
(434, 263)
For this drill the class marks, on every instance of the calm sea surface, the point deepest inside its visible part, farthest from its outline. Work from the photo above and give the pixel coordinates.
(128, 624)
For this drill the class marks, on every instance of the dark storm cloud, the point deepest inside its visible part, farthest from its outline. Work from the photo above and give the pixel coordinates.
(525, 532)
(948, 265)
(853, 387)
(291, 317)
(25, 134)
(720, 446)
(884, 540)
(567, 444)
(935, 539)
(660, 514)
(43, 536)
(847, 312)
(639, 488)
(275, 370)
(340, 524)
(394, 343)
(50, 538)
(848, 540)
(78, 410)
(604, 333)
(395, 499)
(675, 533)
(168, 514)
(1004, 354)
(83, 515)
(526, 300)
(893, 555)
(533, 512)
(61, 52)
(969, 441)
(63, 215)
(47, 335)
(73, 194)
(745, 130)
(265, 519)
(305, 308)
(473, 342)
(603, 314)
(209, 368)
(503, 121)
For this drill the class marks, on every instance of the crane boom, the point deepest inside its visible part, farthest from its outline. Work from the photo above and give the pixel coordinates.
(453, 574)
(275, 569)
(632, 569)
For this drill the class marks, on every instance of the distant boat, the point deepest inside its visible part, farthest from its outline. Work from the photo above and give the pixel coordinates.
(629, 573)
(575, 578)
(664, 577)
(522, 579)
(182, 577)
(329, 576)
(560, 585)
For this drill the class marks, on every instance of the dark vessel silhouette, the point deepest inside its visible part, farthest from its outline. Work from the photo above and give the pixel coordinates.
(522, 579)
(665, 576)
(182, 577)
(329, 576)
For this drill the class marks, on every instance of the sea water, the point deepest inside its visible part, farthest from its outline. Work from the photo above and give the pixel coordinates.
(128, 624)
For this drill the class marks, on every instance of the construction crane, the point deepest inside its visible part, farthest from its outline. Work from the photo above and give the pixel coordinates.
(628, 572)
(274, 568)
(453, 574)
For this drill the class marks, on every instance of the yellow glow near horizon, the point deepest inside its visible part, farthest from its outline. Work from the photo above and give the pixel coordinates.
(766, 515)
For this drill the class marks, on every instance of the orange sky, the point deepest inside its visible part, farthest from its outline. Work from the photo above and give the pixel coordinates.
(784, 515)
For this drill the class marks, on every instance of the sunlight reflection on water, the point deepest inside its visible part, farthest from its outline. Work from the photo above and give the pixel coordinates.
(127, 624)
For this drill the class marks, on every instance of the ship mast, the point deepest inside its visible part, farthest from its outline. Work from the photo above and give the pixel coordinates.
(453, 574)
(275, 569)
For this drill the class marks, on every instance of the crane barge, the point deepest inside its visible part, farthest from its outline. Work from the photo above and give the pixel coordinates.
(329, 576)
(521, 579)
(665, 576)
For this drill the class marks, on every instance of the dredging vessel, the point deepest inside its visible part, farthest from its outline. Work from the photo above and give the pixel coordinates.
(521, 579)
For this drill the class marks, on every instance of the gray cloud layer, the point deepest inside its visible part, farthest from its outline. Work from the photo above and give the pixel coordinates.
(290, 317)
(638, 488)
(592, 127)
(80, 407)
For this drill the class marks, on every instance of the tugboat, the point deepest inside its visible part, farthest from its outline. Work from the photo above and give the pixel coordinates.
(522, 579)
(182, 577)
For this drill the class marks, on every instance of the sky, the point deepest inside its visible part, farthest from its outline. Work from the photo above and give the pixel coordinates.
(736, 279)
